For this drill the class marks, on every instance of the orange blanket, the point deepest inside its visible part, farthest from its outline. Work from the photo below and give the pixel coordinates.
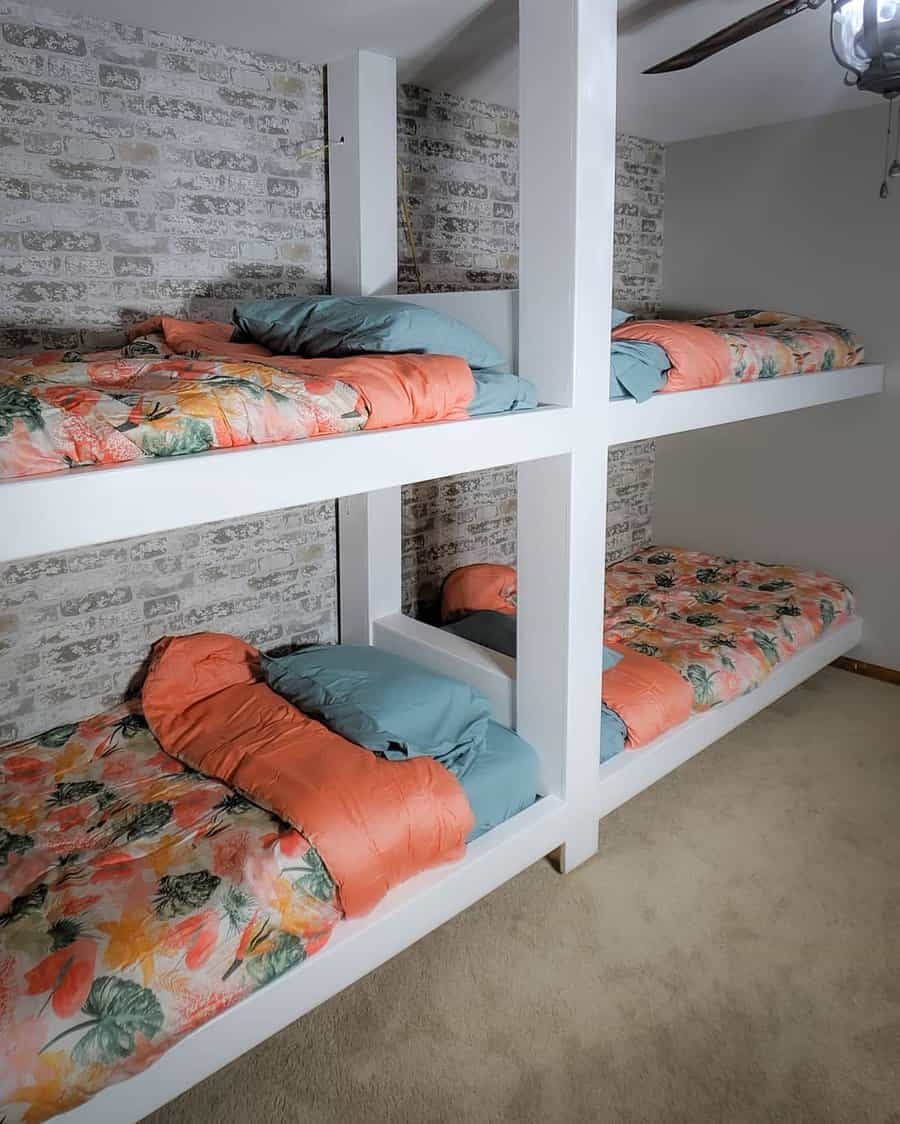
(395, 389)
(648, 695)
(699, 357)
(375, 823)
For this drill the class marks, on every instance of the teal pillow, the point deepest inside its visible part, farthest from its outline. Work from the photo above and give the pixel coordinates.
(384, 702)
(320, 327)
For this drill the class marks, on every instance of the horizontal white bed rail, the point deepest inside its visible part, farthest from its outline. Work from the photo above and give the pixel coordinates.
(83, 506)
(719, 405)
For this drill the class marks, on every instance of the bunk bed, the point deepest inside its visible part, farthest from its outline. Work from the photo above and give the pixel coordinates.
(559, 327)
(690, 635)
(364, 470)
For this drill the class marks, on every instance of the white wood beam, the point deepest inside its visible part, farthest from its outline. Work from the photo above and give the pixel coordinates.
(362, 181)
(567, 183)
(362, 173)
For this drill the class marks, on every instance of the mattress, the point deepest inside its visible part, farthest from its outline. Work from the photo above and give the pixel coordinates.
(722, 623)
(719, 625)
(663, 356)
(183, 387)
(139, 899)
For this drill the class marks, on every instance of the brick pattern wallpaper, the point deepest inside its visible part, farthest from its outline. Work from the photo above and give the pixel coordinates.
(144, 171)
(76, 627)
(461, 165)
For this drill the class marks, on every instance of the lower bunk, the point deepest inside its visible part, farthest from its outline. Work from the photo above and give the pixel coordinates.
(694, 644)
(178, 860)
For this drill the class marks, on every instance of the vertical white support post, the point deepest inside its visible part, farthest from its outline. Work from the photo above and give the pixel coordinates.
(362, 173)
(362, 182)
(567, 62)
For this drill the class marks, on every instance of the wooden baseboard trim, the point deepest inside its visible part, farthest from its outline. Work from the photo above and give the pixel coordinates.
(871, 670)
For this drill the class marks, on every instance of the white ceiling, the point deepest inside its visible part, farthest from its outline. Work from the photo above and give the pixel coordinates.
(469, 47)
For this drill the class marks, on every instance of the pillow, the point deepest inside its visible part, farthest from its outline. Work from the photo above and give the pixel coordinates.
(480, 586)
(320, 327)
(384, 702)
(619, 317)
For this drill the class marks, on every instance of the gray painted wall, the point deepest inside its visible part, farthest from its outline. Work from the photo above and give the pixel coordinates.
(800, 228)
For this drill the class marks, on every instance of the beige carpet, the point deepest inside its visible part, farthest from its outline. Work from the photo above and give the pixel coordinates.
(731, 956)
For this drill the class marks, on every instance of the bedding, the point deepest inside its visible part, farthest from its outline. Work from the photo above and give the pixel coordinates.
(696, 630)
(504, 779)
(731, 347)
(179, 387)
(374, 822)
(137, 901)
(139, 898)
(722, 623)
(384, 702)
(329, 326)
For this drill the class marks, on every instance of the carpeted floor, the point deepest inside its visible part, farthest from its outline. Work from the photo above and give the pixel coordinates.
(731, 956)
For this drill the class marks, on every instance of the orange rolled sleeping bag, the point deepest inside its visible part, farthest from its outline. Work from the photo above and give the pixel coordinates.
(374, 822)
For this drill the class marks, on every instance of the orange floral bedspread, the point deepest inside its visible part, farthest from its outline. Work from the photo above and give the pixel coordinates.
(62, 410)
(723, 624)
(137, 900)
(744, 346)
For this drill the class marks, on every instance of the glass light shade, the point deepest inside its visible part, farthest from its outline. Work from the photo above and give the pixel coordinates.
(865, 36)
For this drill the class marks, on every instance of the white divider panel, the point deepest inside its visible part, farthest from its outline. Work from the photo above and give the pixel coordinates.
(491, 673)
(492, 312)
(362, 184)
(567, 176)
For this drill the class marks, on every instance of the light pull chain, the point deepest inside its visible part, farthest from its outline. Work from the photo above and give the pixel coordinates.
(885, 191)
(894, 170)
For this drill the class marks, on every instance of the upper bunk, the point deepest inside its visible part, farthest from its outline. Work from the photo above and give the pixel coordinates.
(667, 414)
(93, 504)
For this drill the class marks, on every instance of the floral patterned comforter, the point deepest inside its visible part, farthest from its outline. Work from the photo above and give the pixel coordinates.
(137, 900)
(62, 410)
(765, 345)
(723, 624)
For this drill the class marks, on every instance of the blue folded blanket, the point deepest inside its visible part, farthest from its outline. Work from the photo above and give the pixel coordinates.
(637, 369)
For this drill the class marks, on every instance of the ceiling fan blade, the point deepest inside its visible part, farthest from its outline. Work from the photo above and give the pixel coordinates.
(766, 17)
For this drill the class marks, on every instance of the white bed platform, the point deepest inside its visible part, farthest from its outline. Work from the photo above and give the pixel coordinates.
(85, 506)
(719, 405)
(631, 772)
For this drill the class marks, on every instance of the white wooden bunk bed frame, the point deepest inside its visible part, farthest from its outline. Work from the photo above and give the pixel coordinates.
(551, 693)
